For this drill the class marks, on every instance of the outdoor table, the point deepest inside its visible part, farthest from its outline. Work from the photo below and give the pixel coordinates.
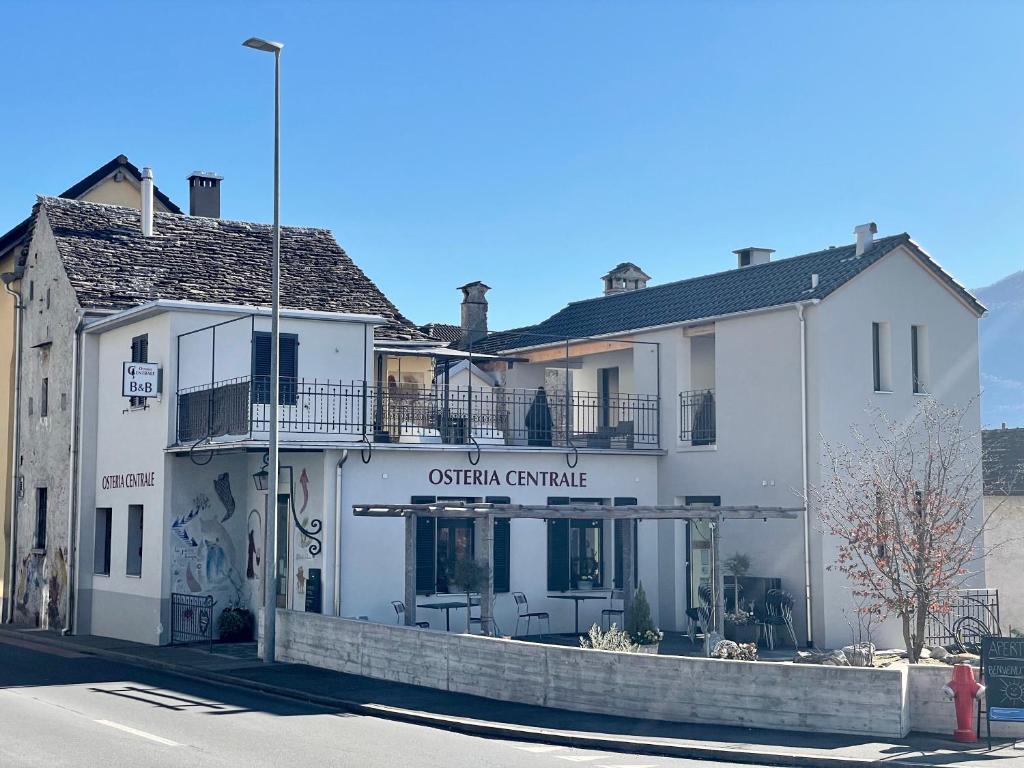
(576, 597)
(447, 606)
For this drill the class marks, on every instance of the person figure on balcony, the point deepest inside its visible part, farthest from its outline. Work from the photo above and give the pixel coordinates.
(538, 420)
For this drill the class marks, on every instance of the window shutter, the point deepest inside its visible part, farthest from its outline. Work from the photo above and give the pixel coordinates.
(502, 547)
(426, 535)
(261, 368)
(140, 354)
(558, 555)
(289, 368)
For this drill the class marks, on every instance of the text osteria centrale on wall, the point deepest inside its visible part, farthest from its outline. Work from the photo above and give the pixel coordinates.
(514, 477)
(129, 480)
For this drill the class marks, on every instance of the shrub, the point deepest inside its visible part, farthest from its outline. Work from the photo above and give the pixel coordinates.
(727, 649)
(236, 625)
(614, 639)
(639, 623)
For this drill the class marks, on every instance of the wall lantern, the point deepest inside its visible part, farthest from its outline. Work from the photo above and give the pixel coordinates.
(261, 477)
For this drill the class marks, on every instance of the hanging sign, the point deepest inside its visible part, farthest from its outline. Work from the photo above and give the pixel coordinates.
(140, 380)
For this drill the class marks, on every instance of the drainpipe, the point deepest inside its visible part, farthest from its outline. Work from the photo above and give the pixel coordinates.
(12, 568)
(804, 461)
(74, 486)
(337, 533)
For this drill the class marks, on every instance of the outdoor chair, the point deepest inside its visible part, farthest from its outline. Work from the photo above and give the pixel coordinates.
(778, 612)
(523, 612)
(399, 607)
(490, 624)
(609, 613)
(700, 614)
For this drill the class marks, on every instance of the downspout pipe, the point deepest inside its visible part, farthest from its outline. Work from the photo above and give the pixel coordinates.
(12, 568)
(74, 484)
(337, 532)
(804, 462)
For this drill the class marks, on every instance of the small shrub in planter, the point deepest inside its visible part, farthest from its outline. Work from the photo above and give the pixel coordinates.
(614, 639)
(741, 626)
(236, 625)
(640, 625)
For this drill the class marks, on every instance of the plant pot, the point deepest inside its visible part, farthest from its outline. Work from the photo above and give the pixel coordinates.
(651, 648)
(741, 633)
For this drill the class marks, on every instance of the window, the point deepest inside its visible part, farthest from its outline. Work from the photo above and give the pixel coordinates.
(881, 356)
(101, 545)
(261, 368)
(440, 543)
(44, 399)
(140, 354)
(698, 549)
(134, 554)
(620, 536)
(41, 502)
(575, 550)
(919, 358)
(607, 396)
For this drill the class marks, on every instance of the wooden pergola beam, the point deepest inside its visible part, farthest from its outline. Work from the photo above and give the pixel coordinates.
(570, 511)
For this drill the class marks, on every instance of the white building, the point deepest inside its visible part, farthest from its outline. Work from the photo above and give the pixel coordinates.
(714, 390)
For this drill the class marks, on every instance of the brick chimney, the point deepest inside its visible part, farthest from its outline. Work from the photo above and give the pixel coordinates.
(626, 276)
(204, 194)
(474, 311)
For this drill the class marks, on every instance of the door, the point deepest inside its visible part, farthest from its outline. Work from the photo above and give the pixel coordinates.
(283, 559)
(608, 397)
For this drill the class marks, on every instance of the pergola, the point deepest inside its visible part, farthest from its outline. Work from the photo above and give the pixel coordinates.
(486, 513)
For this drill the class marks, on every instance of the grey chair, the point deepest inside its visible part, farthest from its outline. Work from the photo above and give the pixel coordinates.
(523, 612)
(490, 624)
(610, 613)
(399, 607)
(778, 613)
(700, 614)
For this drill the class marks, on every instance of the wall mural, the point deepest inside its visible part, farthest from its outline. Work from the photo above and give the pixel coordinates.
(204, 558)
(252, 561)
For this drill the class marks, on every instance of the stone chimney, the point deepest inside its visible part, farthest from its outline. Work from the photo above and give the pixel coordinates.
(865, 236)
(474, 311)
(627, 276)
(204, 194)
(749, 256)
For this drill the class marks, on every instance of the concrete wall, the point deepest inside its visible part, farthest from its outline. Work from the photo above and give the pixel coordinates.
(931, 712)
(1004, 538)
(7, 365)
(751, 694)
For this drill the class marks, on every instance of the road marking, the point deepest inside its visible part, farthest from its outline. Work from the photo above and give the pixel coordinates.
(625, 765)
(135, 732)
(537, 748)
(580, 758)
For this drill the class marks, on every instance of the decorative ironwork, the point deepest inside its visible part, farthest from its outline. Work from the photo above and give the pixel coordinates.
(972, 615)
(191, 618)
(697, 417)
(316, 525)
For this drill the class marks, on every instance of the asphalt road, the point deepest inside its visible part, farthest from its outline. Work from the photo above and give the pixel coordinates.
(63, 708)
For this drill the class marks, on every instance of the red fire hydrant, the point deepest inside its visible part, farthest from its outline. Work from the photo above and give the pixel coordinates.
(964, 690)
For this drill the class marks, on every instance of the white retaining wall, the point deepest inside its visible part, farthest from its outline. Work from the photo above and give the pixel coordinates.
(751, 694)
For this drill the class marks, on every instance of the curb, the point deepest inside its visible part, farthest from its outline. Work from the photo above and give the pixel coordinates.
(496, 730)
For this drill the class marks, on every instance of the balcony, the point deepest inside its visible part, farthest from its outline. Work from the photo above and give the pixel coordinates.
(453, 415)
(697, 417)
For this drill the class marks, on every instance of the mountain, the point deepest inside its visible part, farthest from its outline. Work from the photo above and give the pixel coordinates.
(1002, 352)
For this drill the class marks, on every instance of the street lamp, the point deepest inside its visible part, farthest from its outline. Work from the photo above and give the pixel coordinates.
(270, 546)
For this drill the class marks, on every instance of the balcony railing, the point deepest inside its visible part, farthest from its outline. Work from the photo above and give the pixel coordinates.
(410, 414)
(697, 417)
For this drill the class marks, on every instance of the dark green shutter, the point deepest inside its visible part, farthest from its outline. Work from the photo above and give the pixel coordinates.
(620, 528)
(289, 368)
(426, 535)
(261, 368)
(558, 555)
(502, 547)
(261, 365)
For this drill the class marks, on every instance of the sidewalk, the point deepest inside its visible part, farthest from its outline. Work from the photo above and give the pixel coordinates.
(237, 665)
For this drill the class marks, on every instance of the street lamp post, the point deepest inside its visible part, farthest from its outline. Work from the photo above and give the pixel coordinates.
(270, 567)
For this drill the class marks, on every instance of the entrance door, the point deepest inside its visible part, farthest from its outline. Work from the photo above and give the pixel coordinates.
(607, 396)
(282, 550)
(698, 550)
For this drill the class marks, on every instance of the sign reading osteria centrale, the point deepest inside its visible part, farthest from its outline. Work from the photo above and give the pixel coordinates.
(514, 477)
(129, 480)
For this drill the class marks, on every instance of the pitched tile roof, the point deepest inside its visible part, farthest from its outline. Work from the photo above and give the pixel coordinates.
(1002, 452)
(112, 266)
(449, 334)
(760, 286)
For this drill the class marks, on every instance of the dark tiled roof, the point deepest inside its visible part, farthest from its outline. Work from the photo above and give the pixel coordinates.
(449, 334)
(20, 231)
(501, 340)
(775, 283)
(1002, 452)
(112, 266)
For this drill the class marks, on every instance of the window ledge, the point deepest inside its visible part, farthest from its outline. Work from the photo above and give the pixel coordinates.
(922, 394)
(883, 391)
(133, 575)
(38, 551)
(696, 448)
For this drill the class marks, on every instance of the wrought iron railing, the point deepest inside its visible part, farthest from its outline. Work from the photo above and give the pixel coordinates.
(191, 618)
(697, 417)
(965, 616)
(436, 414)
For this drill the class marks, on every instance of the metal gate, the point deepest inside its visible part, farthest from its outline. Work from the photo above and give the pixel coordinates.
(191, 618)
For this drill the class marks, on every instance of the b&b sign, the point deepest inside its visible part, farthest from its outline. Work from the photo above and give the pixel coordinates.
(140, 380)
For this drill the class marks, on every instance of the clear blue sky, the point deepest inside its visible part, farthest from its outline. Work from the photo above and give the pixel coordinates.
(534, 145)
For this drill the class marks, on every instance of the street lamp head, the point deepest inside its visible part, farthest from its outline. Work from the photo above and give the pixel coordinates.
(263, 45)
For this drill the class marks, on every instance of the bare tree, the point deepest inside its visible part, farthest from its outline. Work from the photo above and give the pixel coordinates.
(903, 500)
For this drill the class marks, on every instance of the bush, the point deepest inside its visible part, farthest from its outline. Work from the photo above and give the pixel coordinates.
(236, 625)
(639, 623)
(727, 649)
(614, 639)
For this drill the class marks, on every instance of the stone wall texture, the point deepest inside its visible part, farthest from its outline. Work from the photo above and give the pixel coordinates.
(931, 712)
(752, 694)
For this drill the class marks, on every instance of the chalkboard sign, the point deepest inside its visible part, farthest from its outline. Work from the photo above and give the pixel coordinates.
(314, 593)
(1002, 659)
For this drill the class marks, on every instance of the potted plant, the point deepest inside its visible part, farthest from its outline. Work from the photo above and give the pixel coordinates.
(737, 566)
(741, 625)
(470, 576)
(640, 625)
(236, 624)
